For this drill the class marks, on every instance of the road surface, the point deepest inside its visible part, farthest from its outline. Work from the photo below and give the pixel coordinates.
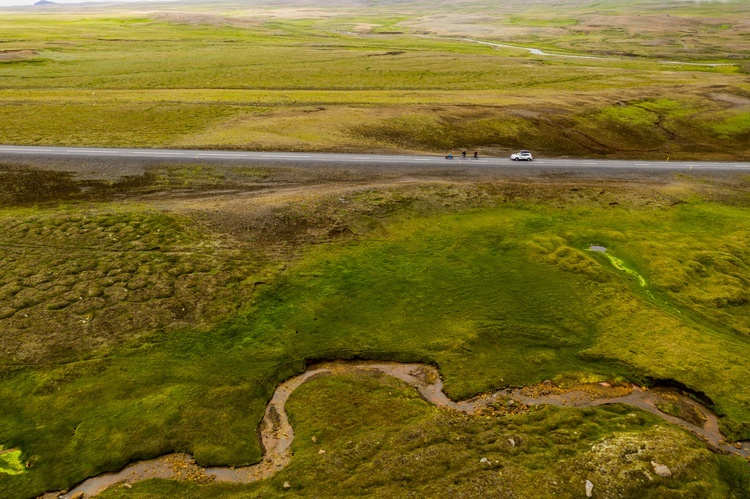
(303, 158)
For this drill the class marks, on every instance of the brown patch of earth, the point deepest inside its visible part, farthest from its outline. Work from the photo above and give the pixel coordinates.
(735, 100)
(196, 19)
(17, 55)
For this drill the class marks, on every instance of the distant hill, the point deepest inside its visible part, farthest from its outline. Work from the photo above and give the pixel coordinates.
(45, 2)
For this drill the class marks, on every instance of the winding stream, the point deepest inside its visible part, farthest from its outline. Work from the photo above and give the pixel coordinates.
(277, 434)
(539, 52)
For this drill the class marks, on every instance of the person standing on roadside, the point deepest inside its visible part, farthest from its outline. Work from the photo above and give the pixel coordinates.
(463, 155)
(476, 155)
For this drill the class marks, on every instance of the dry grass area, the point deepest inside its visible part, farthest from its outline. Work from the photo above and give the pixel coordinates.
(80, 282)
(355, 78)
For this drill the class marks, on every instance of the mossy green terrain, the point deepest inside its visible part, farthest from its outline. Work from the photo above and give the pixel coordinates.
(348, 79)
(157, 312)
(491, 281)
(380, 439)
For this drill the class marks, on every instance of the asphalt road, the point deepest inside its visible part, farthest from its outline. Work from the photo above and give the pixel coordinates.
(186, 155)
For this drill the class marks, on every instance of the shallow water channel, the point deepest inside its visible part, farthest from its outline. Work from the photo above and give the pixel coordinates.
(277, 434)
(535, 51)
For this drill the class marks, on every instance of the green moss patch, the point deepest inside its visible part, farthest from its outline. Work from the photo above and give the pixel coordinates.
(370, 435)
(490, 283)
(10, 461)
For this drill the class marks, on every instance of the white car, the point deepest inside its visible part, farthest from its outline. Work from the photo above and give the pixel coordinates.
(522, 156)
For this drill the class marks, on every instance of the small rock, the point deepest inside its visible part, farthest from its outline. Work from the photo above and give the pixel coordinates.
(512, 442)
(287, 485)
(605, 384)
(511, 403)
(79, 495)
(314, 439)
(547, 382)
(738, 445)
(484, 460)
(321, 451)
(126, 485)
(661, 469)
(589, 488)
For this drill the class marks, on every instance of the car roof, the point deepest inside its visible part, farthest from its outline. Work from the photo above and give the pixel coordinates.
(524, 152)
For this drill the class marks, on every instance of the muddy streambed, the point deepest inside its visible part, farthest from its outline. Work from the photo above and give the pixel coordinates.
(277, 434)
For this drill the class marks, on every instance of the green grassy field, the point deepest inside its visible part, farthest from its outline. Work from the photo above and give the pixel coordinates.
(157, 311)
(381, 440)
(492, 282)
(328, 79)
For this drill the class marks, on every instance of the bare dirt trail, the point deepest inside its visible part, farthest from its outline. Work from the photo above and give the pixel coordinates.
(277, 434)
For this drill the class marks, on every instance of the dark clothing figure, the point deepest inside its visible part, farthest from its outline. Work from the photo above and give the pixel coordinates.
(463, 155)
(476, 156)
